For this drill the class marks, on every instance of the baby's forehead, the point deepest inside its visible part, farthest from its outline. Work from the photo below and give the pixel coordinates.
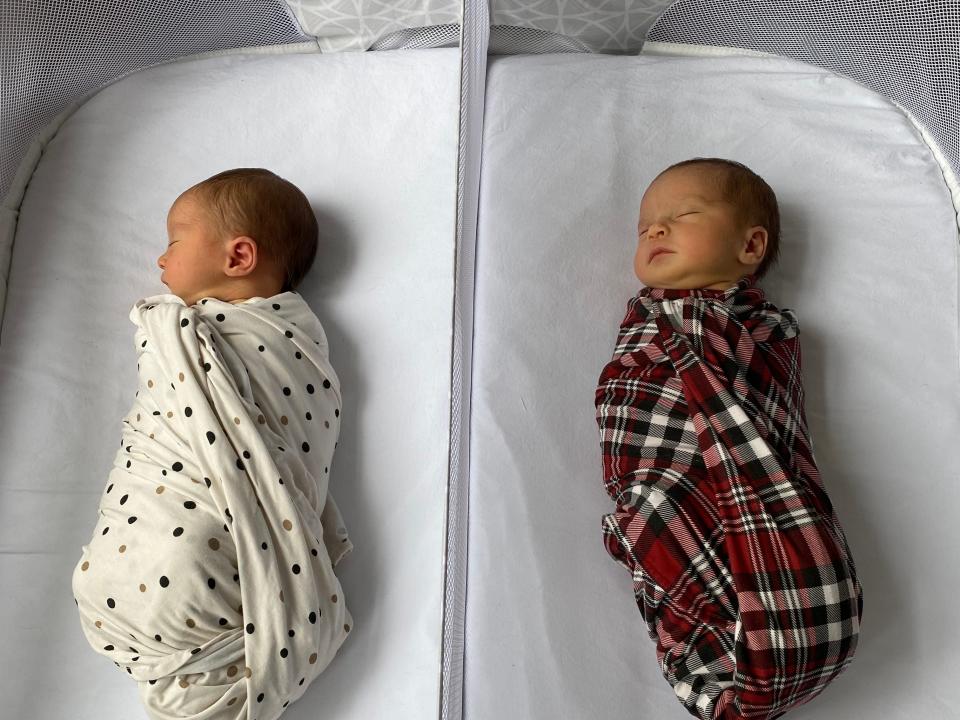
(690, 179)
(187, 208)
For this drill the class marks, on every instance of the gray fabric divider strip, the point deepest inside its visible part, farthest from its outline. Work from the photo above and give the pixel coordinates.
(474, 40)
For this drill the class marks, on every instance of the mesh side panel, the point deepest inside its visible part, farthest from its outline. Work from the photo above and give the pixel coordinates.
(430, 36)
(55, 52)
(512, 40)
(504, 40)
(907, 50)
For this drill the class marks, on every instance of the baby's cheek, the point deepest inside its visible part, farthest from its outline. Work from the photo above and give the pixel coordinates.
(637, 265)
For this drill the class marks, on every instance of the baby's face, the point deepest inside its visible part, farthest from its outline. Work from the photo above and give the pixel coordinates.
(193, 262)
(682, 212)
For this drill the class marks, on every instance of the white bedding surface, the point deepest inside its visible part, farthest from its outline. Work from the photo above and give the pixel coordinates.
(372, 141)
(868, 262)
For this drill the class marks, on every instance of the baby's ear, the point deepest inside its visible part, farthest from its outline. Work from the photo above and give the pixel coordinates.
(759, 235)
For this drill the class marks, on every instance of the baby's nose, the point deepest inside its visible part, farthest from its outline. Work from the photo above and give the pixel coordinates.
(161, 262)
(655, 229)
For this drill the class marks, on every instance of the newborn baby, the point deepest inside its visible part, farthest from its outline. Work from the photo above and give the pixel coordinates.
(740, 566)
(209, 578)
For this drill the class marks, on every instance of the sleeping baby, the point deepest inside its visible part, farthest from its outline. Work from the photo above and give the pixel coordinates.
(740, 566)
(209, 578)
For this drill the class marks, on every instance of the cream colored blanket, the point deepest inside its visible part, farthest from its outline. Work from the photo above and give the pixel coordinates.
(209, 577)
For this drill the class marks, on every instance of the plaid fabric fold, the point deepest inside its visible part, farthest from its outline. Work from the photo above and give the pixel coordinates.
(740, 566)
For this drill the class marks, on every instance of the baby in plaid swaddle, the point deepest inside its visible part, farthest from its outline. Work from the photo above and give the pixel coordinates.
(209, 577)
(740, 566)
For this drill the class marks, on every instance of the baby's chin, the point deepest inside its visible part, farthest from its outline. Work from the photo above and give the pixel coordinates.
(655, 279)
(188, 298)
(674, 281)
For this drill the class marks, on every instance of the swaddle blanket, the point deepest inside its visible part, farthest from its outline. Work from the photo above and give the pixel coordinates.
(209, 578)
(740, 566)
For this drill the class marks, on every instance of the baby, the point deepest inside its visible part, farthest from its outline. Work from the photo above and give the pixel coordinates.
(209, 578)
(740, 566)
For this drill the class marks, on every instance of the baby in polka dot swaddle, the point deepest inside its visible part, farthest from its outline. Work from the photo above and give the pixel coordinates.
(209, 577)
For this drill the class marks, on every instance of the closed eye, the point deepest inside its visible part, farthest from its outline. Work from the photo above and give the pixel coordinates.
(691, 212)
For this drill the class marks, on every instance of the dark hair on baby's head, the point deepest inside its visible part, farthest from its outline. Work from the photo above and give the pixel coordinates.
(274, 212)
(753, 198)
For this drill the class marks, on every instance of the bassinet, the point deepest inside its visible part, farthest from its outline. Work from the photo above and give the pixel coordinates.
(476, 170)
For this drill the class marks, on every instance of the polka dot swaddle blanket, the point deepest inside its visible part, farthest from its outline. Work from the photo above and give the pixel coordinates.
(209, 577)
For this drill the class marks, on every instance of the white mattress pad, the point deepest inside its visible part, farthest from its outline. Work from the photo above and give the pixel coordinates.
(868, 262)
(371, 140)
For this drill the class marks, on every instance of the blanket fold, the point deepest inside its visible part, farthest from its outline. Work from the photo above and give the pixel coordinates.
(740, 565)
(209, 578)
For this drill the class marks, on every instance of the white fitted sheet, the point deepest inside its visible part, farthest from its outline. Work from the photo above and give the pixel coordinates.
(372, 141)
(869, 263)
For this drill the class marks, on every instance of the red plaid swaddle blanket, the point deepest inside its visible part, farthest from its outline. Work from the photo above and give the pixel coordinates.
(740, 566)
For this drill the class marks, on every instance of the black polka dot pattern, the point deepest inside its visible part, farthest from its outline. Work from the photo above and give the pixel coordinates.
(193, 472)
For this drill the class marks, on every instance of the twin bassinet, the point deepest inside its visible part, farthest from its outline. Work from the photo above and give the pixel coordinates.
(477, 225)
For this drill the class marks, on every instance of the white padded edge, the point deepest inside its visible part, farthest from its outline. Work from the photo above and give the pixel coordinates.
(662, 48)
(10, 207)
